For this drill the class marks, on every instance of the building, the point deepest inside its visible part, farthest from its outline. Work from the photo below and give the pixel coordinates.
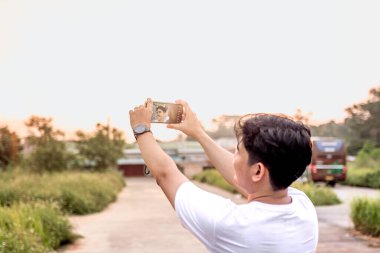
(188, 155)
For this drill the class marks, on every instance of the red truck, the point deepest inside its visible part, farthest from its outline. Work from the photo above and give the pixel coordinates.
(328, 162)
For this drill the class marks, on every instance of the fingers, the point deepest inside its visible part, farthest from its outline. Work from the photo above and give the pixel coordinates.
(187, 109)
(184, 104)
(141, 114)
(149, 103)
(174, 126)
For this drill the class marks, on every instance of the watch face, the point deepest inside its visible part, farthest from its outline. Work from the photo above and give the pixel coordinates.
(140, 129)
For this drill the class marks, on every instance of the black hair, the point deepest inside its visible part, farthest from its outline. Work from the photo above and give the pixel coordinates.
(162, 108)
(281, 144)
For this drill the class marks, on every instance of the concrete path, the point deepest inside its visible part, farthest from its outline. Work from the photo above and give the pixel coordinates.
(335, 224)
(142, 220)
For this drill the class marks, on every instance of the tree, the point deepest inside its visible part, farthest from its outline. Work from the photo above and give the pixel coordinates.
(224, 126)
(364, 120)
(9, 147)
(101, 149)
(330, 129)
(48, 152)
(300, 116)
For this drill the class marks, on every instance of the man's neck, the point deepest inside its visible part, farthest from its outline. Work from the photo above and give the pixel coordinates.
(279, 197)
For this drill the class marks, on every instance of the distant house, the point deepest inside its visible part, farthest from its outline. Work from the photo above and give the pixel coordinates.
(184, 153)
(132, 163)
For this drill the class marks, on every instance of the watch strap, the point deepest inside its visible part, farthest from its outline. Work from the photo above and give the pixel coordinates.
(138, 134)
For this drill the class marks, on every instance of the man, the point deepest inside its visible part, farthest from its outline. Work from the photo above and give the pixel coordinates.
(272, 152)
(161, 114)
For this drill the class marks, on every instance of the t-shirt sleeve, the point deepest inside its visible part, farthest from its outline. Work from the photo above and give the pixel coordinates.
(198, 209)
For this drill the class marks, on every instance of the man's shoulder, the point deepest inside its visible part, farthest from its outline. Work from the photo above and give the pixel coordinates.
(295, 192)
(300, 197)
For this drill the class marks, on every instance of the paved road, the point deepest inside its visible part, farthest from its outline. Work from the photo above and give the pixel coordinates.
(335, 223)
(142, 220)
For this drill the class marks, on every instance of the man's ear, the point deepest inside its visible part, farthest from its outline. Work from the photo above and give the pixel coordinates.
(258, 171)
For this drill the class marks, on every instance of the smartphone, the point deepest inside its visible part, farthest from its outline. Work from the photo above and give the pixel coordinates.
(167, 113)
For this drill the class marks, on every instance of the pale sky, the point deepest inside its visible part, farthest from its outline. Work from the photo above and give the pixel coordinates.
(81, 61)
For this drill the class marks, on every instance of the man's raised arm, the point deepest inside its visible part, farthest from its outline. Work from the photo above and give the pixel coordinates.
(162, 166)
(221, 158)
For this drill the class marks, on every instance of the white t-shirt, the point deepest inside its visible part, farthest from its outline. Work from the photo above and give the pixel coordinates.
(223, 226)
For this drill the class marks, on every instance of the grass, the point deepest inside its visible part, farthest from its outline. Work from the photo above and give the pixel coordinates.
(363, 177)
(365, 214)
(34, 207)
(213, 177)
(318, 195)
(74, 192)
(37, 227)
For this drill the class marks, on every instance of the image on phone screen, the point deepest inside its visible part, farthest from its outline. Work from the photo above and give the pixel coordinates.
(167, 113)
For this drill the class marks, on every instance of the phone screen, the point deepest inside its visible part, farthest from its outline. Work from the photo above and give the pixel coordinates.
(167, 113)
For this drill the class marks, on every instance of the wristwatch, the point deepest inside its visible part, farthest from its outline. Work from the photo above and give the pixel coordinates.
(140, 129)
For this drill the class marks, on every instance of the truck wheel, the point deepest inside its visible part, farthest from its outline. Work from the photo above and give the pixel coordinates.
(331, 183)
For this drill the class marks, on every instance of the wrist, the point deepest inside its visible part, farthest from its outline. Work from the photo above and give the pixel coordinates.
(140, 129)
(199, 135)
(137, 136)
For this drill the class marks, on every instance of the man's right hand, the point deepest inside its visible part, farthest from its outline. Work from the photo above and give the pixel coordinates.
(190, 124)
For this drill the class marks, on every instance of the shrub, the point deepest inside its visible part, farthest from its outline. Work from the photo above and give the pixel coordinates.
(75, 192)
(318, 195)
(37, 227)
(368, 157)
(213, 177)
(32, 206)
(365, 214)
(364, 177)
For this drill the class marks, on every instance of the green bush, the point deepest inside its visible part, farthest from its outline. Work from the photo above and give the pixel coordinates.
(368, 157)
(365, 214)
(365, 170)
(319, 195)
(363, 177)
(75, 192)
(32, 206)
(88, 193)
(37, 227)
(213, 177)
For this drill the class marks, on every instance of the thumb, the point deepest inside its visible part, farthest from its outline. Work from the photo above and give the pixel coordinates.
(174, 126)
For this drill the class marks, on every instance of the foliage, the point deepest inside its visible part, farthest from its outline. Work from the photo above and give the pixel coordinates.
(213, 177)
(223, 127)
(365, 170)
(9, 147)
(36, 227)
(364, 120)
(101, 149)
(32, 206)
(319, 195)
(363, 177)
(300, 116)
(330, 129)
(368, 156)
(361, 125)
(48, 152)
(366, 216)
(74, 192)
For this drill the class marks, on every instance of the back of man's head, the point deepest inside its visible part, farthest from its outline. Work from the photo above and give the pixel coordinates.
(278, 142)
